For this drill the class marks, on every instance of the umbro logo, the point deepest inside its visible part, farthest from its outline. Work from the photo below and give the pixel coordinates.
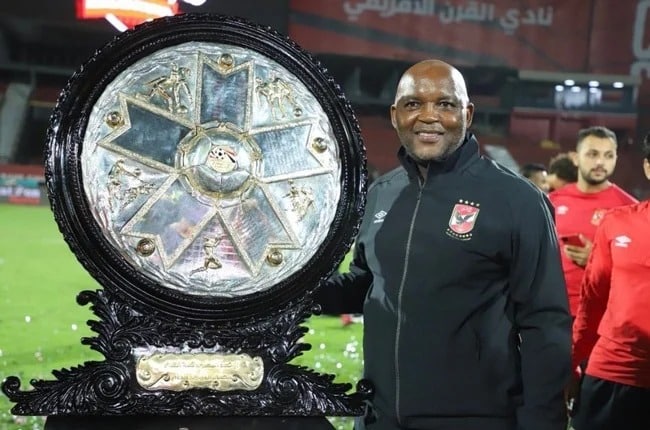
(622, 241)
(379, 217)
(561, 210)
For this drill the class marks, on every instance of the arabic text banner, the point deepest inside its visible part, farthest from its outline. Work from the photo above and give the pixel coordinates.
(551, 35)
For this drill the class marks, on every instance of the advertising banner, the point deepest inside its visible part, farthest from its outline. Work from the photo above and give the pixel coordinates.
(23, 185)
(606, 37)
(536, 34)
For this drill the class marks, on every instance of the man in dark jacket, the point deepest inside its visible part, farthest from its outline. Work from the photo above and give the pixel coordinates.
(457, 272)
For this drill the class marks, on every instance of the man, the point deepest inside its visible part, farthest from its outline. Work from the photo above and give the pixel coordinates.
(561, 171)
(579, 207)
(612, 327)
(456, 269)
(347, 319)
(535, 173)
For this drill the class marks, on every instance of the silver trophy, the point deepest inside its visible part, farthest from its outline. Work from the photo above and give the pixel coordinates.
(212, 169)
(209, 174)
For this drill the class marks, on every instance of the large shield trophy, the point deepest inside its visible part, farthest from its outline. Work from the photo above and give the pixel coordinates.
(209, 174)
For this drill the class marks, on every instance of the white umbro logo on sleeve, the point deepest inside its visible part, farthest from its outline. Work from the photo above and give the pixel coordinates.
(622, 241)
(379, 217)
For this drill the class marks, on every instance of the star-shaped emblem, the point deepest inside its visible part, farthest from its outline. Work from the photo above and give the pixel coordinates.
(218, 201)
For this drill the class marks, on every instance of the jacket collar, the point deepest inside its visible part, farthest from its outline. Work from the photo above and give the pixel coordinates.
(466, 152)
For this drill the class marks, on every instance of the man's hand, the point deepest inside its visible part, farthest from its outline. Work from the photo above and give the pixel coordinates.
(579, 254)
(572, 393)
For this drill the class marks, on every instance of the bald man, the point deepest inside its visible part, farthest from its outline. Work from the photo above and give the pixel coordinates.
(457, 272)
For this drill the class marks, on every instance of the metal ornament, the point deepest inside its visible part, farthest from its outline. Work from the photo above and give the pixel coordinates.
(211, 141)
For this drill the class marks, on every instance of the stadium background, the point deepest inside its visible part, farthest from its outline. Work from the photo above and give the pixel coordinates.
(537, 71)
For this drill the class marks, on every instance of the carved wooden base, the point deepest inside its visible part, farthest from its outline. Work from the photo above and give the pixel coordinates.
(110, 387)
(190, 423)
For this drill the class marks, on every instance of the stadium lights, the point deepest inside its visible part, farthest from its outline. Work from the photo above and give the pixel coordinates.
(559, 88)
(617, 84)
(569, 82)
(575, 89)
(594, 84)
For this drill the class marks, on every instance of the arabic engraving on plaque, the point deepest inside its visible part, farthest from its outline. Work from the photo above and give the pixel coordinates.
(212, 169)
(183, 371)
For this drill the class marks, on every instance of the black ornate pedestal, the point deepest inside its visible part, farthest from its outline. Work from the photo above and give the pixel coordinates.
(108, 387)
(188, 423)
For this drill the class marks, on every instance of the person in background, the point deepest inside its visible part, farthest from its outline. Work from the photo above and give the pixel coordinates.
(612, 327)
(535, 173)
(561, 171)
(456, 268)
(580, 206)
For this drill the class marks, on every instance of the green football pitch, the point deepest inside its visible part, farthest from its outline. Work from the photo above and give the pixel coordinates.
(41, 324)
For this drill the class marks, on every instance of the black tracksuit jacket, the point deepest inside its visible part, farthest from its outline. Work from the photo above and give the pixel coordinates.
(466, 322)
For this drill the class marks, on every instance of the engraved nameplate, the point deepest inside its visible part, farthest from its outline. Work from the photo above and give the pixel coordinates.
(183, 371)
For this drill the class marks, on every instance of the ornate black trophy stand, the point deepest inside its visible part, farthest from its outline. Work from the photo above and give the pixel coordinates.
(209, 174)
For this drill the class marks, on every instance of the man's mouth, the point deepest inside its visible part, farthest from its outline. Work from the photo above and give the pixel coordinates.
(429, 136)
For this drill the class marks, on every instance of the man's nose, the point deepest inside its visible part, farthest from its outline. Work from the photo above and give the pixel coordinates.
(429, 113)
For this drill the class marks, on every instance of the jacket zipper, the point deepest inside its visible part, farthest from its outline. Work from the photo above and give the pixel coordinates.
(399, 302)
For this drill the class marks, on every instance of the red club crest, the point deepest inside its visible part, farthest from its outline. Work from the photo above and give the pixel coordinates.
(463, 218)
(597, 216)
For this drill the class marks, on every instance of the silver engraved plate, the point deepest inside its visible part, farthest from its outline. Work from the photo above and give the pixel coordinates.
(211, 169)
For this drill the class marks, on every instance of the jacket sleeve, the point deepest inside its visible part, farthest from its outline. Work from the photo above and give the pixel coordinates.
(593, 295)
(344, 293)
(541, 316)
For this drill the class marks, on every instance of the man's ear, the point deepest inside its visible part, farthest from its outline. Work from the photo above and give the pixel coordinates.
(646, 168)
(393, 120)
(469, 112)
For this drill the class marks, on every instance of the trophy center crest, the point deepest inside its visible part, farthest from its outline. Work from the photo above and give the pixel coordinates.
(222, 159)
(216, 162)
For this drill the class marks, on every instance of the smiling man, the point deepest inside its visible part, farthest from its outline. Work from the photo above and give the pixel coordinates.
(431, 130)
(580, 206)
(457, 272)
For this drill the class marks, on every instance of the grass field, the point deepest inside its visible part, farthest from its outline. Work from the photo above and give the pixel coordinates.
(41, 323)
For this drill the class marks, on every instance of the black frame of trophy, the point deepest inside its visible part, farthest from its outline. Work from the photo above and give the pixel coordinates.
(133, 310)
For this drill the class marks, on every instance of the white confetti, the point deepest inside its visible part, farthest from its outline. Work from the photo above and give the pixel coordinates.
(339, 365)
(74, 327)
(322, 346)
(27, 318)
(19, 420)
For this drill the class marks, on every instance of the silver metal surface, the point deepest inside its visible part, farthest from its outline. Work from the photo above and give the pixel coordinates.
(212, 169)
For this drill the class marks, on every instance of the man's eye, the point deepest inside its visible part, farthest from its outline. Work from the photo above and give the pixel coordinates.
(411, 104)
(446, 104)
